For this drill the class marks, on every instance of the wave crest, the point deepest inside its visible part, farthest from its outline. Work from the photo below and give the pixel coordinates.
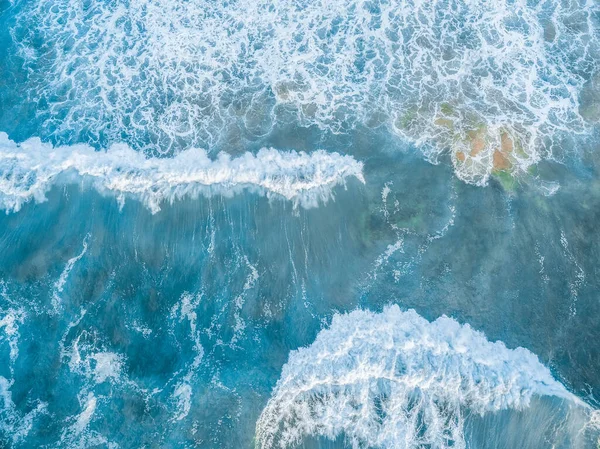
(395, 380)
(28, 170)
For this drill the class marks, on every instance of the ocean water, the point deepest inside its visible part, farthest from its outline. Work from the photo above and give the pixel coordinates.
(280, 224)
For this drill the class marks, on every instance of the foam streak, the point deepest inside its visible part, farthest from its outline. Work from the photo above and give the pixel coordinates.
(28, 170)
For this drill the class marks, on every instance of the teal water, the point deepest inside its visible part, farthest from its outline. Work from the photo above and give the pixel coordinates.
(265, 302)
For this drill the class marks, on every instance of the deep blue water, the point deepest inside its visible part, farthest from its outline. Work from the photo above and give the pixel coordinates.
(155, 296)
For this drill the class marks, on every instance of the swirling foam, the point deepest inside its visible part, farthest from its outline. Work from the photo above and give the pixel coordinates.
(494, 82)
(28, 170)
(395, 380)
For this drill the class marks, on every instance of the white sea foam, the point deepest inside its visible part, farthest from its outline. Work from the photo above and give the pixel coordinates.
(84, 418)
(10, 320)
(185, 309)
(78, 434)
(28, 170)
(13, 423)
(108, 365)
(88, 360)
(396, 380)
(170, 74)
(59, 285)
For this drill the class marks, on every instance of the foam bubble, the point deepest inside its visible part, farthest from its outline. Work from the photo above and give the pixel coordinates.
(396, 380)
(28, 170)
(494, 83)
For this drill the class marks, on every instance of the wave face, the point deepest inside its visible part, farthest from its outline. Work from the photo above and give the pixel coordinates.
(28, 171)
(494, 83)
(395, 380)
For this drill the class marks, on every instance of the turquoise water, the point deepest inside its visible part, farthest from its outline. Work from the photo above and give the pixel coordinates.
(357, 272)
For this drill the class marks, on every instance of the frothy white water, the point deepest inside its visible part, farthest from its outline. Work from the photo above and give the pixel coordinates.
(466, 76)
(28, 170)
(396, 380)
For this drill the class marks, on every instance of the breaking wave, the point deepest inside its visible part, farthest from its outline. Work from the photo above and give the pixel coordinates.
(494, 83)
(28, 171)
(396, 380)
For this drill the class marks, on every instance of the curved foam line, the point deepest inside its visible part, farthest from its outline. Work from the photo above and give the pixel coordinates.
(396, 380)
(28, 170)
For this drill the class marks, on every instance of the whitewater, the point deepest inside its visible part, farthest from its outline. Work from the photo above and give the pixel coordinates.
(28, 170)
(395, 380)
(504, 92)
